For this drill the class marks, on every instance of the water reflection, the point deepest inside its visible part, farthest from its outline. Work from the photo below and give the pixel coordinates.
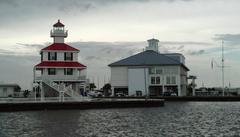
(174, 119)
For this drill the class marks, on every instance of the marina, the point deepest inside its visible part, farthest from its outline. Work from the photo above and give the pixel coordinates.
(111, 68)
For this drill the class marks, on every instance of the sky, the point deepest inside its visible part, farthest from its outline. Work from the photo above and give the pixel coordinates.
(108, 30)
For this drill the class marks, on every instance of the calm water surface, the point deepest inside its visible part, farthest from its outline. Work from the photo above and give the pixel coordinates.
(176, 119)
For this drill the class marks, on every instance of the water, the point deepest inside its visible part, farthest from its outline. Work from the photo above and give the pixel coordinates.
(177, 119)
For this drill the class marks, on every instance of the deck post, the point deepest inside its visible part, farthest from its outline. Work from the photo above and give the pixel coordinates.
(42, 91)
(163, 88)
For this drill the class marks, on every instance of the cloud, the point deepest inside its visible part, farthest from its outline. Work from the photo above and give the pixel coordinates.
(192, 48)
(185, 43)
(229, 39)
(93, 50)
(106, 52)
(5, 52)
(24, 10)
(13, 3)
(180, 47)
(35, 46)
(17, 69)
(199, 52)
(65, 5)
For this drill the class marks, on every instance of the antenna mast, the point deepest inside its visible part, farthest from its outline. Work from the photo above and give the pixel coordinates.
(223, 69)
(222, 66)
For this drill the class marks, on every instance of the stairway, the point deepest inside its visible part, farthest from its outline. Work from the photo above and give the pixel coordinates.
(67, 90)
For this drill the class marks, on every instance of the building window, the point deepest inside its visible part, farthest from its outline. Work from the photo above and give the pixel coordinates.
(168, 80)
(68, 71)
(52, 55)
(158, 70)
(51, 71)
(5, 92)
(158, 80)
(171, 80)
(138, 93)
(16, 89)
(68, 56)
(152, 70)
(153, 80)
(155, 70)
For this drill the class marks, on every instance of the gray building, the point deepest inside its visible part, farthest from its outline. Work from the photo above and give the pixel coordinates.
(150, 73)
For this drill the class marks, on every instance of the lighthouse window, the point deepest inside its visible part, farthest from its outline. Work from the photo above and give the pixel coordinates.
(52, 55)
(41, 56)
(68, 71)
(68, 56)
(51, 71)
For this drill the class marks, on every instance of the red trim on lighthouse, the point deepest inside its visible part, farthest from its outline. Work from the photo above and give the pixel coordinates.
(60, 64)
(60, 46)
(58, 24)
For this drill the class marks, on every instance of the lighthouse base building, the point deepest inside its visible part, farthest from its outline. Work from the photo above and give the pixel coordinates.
(59, 74)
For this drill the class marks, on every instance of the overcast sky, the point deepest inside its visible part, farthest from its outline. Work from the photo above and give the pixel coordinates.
(108, 30)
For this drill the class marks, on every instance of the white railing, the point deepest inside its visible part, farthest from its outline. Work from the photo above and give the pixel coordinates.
(66, 99)
(71, 92)
(46, 99)
(65, 89)
(59, 78)
(59, 33)
(82, 77)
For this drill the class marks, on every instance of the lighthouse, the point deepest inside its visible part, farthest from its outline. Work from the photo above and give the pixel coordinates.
(59, 72)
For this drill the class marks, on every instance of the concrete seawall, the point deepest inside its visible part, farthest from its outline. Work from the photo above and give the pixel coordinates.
(188, 98)
(80, 105)
(202, 98)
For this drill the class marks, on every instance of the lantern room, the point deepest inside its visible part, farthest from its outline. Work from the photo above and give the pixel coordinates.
(58, 32)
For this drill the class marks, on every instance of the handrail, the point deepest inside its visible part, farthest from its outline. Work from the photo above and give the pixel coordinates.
(63, 88)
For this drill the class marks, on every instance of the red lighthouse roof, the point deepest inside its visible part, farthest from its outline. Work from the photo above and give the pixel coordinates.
(60, 64)
(60, 46)
(58, 24)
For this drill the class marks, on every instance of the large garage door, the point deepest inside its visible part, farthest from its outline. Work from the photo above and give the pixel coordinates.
(136, 81)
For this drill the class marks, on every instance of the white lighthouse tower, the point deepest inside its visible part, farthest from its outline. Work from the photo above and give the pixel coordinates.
(60, 73)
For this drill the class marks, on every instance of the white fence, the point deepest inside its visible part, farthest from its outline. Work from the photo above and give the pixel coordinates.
(45, 99)
(67, 99)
